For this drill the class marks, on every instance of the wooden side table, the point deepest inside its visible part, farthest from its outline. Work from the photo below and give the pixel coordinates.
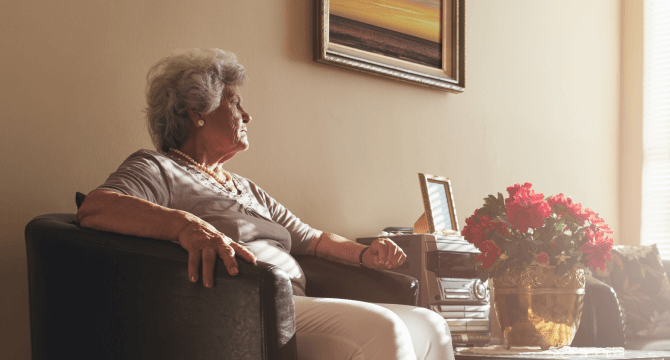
(627, 355)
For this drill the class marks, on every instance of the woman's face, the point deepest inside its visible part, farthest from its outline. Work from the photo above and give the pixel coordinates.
(227, 125)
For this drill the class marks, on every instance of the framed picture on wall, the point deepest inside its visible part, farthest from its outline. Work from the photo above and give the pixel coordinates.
(418, 41)
(438, 203)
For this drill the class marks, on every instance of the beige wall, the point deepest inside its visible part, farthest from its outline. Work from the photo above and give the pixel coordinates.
(339, 148)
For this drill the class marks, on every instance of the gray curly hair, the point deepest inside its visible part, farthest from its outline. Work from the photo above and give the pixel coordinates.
(193, 79)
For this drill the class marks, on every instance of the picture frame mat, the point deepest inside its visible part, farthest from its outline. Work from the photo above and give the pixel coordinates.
(385, 61)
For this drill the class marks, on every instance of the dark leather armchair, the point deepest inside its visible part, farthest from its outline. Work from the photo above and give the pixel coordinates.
(602, 323)
(599, 326)
(99, 295)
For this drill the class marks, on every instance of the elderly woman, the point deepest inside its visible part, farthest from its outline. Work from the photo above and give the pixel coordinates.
(183, 194)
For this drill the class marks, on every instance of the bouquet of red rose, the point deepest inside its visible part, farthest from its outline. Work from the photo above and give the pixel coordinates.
(527, 229)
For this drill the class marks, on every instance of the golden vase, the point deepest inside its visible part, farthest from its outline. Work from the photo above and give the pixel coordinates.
(536, 308)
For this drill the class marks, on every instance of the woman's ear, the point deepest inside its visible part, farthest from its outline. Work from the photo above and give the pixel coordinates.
(196, 118)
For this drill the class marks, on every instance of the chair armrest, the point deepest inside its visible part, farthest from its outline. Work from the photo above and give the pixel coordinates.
(99, 295)
(328, 279)
(602, 323)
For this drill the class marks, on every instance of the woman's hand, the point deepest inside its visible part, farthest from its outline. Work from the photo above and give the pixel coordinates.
(383, 254)
(203, 243)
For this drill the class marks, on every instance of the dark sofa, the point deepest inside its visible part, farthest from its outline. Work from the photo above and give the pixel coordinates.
(99, 295)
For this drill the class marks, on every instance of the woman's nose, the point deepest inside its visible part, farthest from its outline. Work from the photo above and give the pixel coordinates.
(246, 117)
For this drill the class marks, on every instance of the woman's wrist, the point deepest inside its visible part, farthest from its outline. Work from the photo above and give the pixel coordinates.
(360, 257)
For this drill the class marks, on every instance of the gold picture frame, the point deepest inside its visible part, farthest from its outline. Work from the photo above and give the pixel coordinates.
(438, 199)
(417, 42)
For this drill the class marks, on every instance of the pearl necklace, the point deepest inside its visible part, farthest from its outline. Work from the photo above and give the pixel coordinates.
(211, 173)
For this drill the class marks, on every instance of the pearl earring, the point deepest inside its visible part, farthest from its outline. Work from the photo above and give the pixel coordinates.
(201, 123)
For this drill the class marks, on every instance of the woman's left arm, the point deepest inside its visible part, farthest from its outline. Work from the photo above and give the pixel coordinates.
(383, 253)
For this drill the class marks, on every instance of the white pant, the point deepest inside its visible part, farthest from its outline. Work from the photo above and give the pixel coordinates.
(337, 329)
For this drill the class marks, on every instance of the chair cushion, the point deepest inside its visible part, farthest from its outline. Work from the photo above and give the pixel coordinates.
(637, 275)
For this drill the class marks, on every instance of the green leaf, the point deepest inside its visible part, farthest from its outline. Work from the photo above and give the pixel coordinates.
(482, 274)
(492, 207)
(559, 225)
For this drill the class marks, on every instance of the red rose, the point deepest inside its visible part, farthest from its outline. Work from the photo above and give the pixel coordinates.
(596, 235)
(474, 234)
(560, 204)
(477, 229)
(512, 190)
(473, 231)
(606, 228)
(542, 259)
(598, 246)
(580, 214)
(525, 209)
(598, 253)
(501, 228)
(490, 252)
(598, 222)
(563, 205)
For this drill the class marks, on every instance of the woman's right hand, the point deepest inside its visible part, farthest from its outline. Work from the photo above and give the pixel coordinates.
(203, 243)
(109, 211)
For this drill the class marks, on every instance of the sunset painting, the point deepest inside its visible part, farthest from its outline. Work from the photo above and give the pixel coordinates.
(408, 30)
